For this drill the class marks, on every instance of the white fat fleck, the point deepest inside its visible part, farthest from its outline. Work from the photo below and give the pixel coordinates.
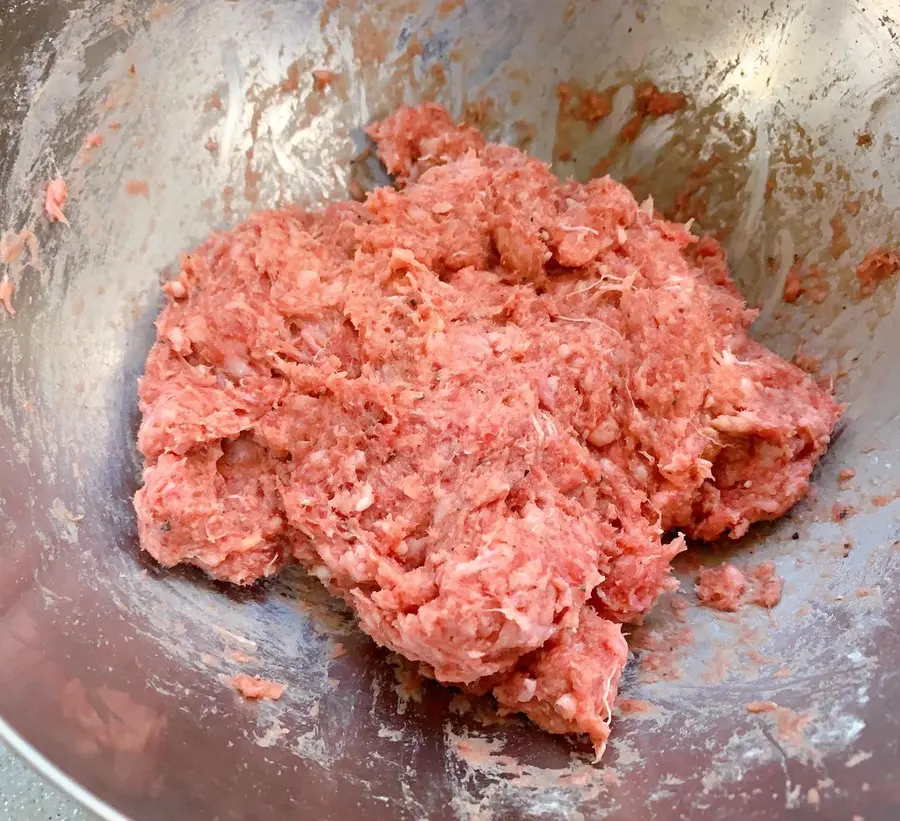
(566, 706)
(365, 500)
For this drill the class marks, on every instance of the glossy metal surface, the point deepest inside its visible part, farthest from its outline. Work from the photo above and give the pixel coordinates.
(116, 674)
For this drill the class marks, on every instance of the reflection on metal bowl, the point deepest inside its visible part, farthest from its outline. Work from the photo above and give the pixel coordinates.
(117, 674)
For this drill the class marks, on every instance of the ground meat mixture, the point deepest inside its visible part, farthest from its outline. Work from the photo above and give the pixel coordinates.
(482, 408)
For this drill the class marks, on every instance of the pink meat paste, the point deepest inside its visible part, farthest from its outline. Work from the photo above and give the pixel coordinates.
(481, 408)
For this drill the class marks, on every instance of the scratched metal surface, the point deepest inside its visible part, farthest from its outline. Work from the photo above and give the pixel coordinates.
(115, 675)
(24, 795)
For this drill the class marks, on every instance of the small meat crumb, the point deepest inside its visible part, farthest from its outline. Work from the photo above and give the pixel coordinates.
(649, 101)
(810, 282)
(720, 588)
(762, 707)
(633, 706)
(239, 657)
(767, 586)
(14, 246)
(292, 82)
(256, 688)
(793, 286)
(94, 140)
(55, 201)
(655, 103)
(864, 140)
(875, 267)
(584, 104)
(6, 292)
(840, 512)
(137, 188)
(840, 242)
(846, 475)
(724, 587)
(322, 78)
(816, 287)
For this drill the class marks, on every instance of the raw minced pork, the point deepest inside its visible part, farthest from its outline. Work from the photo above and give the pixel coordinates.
(481, 407)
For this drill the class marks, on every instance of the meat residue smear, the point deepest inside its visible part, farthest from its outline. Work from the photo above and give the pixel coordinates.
(55, 200)
(256, 688)
(483, 408)
(649, 101)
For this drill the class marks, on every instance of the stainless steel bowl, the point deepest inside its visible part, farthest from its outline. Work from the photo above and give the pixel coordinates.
(114, 675)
